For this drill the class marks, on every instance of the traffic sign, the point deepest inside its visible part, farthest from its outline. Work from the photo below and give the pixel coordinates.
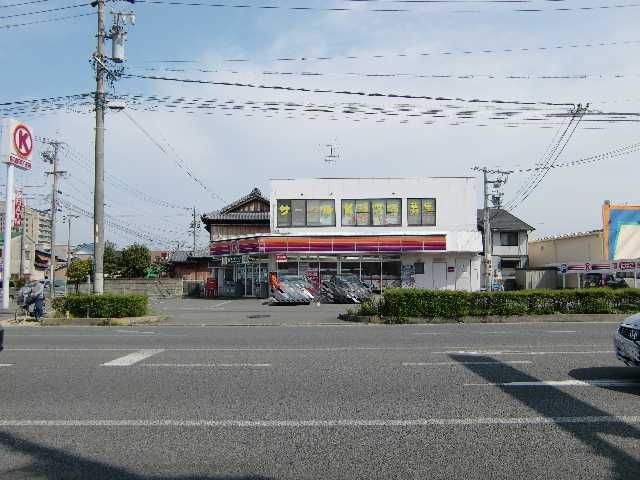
(564, 268)
(16, 144)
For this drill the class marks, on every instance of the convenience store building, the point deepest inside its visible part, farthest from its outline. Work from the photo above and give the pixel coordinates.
(390, 232)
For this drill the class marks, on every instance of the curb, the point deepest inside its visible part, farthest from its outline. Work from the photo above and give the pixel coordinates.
(104, 322)
(560, 318)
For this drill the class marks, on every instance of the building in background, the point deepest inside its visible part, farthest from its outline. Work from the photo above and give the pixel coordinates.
(245, 216)
(621, 231)
(509, 239)
(389, 232)
(572, 247)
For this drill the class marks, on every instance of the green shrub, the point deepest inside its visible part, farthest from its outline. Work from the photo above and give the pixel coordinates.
(402, 303)
(109, 305)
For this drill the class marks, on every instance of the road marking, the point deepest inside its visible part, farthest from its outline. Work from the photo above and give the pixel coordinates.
(136, 331)
(561, 331)
(463, 352)
(6, 364)
(220, 304)
(132, 358)
(428, 364)
(212, 365)
(561, 383)
(391, 423)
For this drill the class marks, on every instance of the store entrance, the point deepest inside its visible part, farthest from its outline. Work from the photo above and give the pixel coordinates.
(253, 278)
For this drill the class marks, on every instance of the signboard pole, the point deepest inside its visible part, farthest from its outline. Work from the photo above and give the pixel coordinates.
(564, 281)
(6, 248)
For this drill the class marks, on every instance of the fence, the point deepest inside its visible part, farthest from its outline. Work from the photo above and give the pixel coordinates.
(152, 287)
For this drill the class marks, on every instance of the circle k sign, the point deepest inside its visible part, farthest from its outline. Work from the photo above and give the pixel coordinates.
(22, 141)
(16, 144)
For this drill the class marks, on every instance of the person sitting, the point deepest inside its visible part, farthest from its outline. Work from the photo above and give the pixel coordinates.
(36, 297)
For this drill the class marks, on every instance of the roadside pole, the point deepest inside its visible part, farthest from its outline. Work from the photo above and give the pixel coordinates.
(487, 234)
(16, 147)
(6, 247)
(98, 197)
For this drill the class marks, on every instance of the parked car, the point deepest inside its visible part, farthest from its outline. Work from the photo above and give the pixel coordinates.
(626, 341)
(59, 287)
(592, 280)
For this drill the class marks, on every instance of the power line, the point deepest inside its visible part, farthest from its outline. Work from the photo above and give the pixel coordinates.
(302, 9)
(31, 2)
(345, 92)
(40, 12)
(381, 56)
(47, 20)
(176, 158)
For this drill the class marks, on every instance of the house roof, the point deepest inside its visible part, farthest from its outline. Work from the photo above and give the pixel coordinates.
(254, 194)
(227, 214)
(183, 256)
(83, 249)
(502, 220)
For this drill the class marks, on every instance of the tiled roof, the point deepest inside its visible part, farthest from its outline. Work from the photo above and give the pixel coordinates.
(182, 256)
(219, 215)
(255, 194)
(502, 220)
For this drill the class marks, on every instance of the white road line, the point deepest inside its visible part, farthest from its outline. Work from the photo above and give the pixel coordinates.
(220, 304)
(132, 358)
(560, 383)
(6, 364)
(136, 331)
(561, 331)
(429, 364)
(211, 365)
(386, 423)
(525, 353)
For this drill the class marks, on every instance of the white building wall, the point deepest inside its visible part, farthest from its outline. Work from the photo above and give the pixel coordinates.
(455, 201)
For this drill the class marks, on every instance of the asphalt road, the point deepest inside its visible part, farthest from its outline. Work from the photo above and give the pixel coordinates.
(327, 402)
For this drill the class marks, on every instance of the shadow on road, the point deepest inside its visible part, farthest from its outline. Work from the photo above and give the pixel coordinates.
(625, 374)
(553, 403)
(55, 464)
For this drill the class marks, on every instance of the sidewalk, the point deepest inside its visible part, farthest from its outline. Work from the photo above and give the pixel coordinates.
(194, 311)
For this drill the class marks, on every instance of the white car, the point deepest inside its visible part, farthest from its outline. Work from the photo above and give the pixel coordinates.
(627, 341)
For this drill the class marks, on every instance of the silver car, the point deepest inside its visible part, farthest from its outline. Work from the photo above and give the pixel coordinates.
(627, 341)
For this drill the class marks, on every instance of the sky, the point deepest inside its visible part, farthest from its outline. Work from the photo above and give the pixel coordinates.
(182, 156)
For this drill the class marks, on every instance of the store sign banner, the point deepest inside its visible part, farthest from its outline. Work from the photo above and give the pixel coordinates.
(18, 209)
(281, 257)
(233, 260)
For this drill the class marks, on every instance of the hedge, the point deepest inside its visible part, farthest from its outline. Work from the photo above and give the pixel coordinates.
(401, 303)
(109, 305)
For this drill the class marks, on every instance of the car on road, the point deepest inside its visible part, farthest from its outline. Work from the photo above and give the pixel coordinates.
(626, 341)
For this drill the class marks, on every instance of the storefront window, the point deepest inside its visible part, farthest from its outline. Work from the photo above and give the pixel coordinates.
(310, 213)
(348, 212)
(288, 269)
(371, 273)
(376, 212)
(284, 213)
(362, 213)
(421, 211)
(328, 268)
(350, 268)
(299, 213)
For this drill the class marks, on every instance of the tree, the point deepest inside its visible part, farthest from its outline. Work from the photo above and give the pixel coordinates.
(135, 259)
(78, 271)
(112, 260)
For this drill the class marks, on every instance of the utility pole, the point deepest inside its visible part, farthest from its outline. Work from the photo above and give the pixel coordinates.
(68, 219)
(492, 194)
(194, 226)
(98, 195)
(52, 157)
(118, 36)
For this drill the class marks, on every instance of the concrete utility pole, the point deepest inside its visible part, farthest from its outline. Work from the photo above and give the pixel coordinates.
(69, 218)
(492, 197)
(194, 226)
(52, 157)
(98, 195)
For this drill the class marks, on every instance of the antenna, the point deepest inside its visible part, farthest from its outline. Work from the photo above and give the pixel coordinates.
(333, 154)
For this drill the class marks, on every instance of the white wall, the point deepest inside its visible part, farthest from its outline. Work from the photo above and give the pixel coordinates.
(455, 201)
(503, 250)
(462, 270)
